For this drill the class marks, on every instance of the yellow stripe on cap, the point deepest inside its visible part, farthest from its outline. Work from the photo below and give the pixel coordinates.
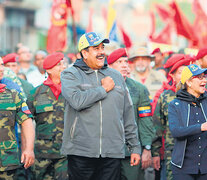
(83, 43)
(185, 75)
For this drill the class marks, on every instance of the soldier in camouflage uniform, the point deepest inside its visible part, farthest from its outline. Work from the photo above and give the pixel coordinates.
(47, 105)
(160, 116)
(14, 109)
(141, 103)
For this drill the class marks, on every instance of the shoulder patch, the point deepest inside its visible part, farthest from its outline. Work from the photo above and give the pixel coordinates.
(176, 103)
(25, 108)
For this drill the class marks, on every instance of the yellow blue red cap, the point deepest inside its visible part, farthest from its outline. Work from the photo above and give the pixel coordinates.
(190, 71)
(90, 39)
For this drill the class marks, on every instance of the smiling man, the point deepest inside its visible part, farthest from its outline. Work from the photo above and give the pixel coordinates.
(98, 115)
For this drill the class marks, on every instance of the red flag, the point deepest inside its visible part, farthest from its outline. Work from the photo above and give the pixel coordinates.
(200, 23)
(182, 24)
(163, 36)
(57, 34)
(126, 39)
(163, 12)
(90, 23)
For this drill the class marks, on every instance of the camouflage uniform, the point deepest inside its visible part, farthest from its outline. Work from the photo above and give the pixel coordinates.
(160, 118)
(49, 118)
(12, 109)
(142, 109)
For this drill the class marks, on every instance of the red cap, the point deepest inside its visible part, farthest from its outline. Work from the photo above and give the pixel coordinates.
(10, 58)
(201, 53)
(51, 60)
(157, 50)
(115, 55)
(173, 59)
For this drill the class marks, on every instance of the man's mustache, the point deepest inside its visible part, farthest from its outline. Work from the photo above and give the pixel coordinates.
(102, 55)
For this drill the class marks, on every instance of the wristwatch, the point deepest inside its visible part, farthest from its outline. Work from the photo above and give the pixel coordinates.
(147, 147)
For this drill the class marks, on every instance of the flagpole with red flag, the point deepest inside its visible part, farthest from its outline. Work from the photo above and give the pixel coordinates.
(182, 24)
(163, 12)
(126, 39)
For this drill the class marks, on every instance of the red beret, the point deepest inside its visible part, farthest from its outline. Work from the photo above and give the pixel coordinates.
(51, 60)
(115, 55)
(173, 59)
(183, 62)
(157, 50)
(10, 58)
(201, 53)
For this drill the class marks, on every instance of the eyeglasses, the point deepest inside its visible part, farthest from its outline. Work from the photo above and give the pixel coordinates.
(200, 76)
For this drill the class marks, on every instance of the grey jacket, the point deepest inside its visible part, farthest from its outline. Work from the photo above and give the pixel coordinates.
(97, 123)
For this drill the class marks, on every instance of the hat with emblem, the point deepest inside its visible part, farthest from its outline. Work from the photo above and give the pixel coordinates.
(90, 39)
(10, 58)
(51, 60)
(115, 55)
(190, 71)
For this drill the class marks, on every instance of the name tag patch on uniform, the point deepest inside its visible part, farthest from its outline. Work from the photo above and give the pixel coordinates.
(6, 98)
(25, 108)
(144, 111)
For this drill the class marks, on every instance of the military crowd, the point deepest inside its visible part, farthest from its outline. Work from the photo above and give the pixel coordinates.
(90, 115)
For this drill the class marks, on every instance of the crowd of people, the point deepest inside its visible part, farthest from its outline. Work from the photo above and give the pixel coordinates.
(127, 115)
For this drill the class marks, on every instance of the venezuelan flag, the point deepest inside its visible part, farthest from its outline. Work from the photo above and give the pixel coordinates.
(144, 111)
(25, 108)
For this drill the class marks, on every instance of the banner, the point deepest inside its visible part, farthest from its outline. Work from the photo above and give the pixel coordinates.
(57, 34)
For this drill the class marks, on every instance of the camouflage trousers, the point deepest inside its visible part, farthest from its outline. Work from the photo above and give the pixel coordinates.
(168, 165)
(131, 172)
(8, 175)
(25, 174)
(168, 169)
(48, 169)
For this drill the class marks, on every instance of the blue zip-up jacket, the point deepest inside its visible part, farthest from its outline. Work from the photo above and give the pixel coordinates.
(178, 115)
